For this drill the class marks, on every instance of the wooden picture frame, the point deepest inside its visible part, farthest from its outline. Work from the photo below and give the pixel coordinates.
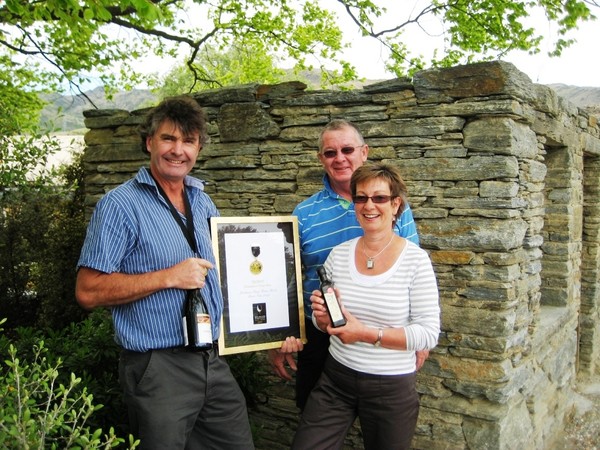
(258, 260)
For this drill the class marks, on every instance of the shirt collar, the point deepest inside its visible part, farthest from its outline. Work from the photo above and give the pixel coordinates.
(344, 202)
(143, 176)
(329, 189)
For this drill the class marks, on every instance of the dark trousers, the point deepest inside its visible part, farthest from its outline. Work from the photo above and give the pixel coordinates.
(311, 361)
(184, 400)
(386, 405)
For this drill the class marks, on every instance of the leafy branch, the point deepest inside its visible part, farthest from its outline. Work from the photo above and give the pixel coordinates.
(74, 40)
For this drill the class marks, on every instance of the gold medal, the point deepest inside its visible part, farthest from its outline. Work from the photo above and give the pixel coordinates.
(256, 265)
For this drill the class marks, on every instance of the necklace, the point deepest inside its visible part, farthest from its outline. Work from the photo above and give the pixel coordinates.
(370, 259)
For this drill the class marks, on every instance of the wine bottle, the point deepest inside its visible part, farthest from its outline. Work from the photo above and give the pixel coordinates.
(331, 302)
(196, 322)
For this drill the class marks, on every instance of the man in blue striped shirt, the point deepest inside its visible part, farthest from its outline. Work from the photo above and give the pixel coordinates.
(147, 245)
(325, 220)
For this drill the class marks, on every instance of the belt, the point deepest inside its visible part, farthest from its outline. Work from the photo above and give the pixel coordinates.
(214, 346)
(191, 349)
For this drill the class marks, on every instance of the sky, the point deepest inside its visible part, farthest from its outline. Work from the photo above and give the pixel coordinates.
(577, 66)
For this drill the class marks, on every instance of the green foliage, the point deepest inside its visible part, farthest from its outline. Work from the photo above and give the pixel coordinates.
(24, 147)
(244, 62)
(24, 160)
(247, 369)
(41, 232)
(38, 410)
(58, 252)
(86, 348)
(19, 109)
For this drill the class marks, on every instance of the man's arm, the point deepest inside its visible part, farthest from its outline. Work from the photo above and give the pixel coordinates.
(277, 357)
(406, 225)
(95, 289)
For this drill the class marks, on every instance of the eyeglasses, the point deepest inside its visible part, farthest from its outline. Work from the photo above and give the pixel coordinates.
(330, 153)
(374, 198)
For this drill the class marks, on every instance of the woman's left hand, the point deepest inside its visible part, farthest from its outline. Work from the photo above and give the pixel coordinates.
(353, 331)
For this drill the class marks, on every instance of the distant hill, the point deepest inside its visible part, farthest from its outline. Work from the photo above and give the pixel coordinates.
(70, 117)
(584, 97)
(66, 111)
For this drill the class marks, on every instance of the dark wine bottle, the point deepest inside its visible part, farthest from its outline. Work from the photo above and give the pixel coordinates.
(331, 302)
(197, 331)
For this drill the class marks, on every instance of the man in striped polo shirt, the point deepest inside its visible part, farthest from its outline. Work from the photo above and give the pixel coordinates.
(325, 220)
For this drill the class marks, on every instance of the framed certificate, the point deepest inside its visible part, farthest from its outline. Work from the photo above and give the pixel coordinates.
(258, 259)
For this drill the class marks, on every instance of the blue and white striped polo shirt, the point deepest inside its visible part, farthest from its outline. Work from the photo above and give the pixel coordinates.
(327, 219)
(132, 231)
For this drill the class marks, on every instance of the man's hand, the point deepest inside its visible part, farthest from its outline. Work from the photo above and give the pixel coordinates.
(190, 273)
(277, 357)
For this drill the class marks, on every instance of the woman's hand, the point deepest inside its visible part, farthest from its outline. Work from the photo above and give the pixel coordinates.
(353, 331)
(320, 315)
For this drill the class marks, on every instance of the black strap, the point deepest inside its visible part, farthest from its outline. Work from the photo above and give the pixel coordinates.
(188, 231)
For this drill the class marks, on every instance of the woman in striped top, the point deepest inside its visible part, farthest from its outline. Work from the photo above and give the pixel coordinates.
(390, 300)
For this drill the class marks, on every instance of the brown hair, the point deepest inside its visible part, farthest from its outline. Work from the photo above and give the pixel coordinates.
(387, 172)
(183, 111)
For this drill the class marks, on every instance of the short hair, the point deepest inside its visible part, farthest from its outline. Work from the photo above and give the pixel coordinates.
(387, 172)
(338, 124)
(183, 111)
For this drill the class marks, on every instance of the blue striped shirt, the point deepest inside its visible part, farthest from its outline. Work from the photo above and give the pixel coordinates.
(327, 219)
(132, 231)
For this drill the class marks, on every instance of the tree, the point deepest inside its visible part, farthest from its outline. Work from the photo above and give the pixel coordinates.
(244, 62)
(24, 147)
(67, 41)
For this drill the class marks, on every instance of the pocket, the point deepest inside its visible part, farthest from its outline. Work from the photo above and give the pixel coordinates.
(134, 368)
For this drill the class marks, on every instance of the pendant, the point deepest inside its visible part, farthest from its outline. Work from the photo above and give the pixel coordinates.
(370, 263)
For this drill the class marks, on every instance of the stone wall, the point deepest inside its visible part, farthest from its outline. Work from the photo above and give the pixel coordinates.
(503, 179)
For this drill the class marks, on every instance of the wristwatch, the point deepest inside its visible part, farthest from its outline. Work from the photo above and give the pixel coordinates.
(377, 343)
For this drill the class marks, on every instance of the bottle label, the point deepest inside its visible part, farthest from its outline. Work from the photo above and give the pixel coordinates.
(186, 338)
(334, 307)
(204, 329)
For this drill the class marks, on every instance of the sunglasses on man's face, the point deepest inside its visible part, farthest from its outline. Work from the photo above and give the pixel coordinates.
(374, 198)
(330, 153)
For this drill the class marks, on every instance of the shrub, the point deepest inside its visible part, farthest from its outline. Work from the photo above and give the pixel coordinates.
(86, 348)
(41, 234)
(38, 411)
(247, 369)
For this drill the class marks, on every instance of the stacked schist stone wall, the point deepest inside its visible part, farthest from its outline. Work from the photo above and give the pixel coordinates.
(503, 179)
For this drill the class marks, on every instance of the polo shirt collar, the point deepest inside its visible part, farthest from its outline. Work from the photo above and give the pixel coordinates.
(331, 193)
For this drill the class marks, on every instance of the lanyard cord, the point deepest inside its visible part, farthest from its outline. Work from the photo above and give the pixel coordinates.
(188, 231)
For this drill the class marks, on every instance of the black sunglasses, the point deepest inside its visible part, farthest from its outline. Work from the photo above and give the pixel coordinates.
(374, 198)
(330, 153)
